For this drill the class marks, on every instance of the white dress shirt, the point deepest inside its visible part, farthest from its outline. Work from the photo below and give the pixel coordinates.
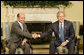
(62, 27)
(21, 25)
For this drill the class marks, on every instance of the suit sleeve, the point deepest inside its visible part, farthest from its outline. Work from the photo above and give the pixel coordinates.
(18, 31)
(48, 32)
(72, 33)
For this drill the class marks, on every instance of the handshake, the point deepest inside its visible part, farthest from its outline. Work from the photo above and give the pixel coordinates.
(35, 35)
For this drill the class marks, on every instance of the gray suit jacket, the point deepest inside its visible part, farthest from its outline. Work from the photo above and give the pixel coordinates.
(17, 34)
(69, 33)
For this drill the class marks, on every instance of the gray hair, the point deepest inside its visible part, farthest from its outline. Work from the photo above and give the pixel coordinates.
(60, 12)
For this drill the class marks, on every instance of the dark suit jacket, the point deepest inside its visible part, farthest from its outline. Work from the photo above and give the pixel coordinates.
(69, 33)
(17, 34)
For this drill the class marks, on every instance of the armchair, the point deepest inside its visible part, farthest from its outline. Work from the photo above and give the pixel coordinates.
(5, 39)
(60, 50)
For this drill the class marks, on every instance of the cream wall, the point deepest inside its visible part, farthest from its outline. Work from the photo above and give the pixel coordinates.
(75, 11)
(9, 14)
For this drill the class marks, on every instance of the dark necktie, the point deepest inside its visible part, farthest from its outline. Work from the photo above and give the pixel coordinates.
(61, 33)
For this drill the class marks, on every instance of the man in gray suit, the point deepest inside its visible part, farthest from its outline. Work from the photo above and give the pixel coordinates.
(20, 35)
(64, 33)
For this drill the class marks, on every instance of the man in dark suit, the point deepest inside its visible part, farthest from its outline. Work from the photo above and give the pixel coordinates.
(19, 35)
(64, 33)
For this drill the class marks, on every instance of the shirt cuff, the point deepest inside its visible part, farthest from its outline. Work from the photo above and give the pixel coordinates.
(32, 35)
(67, 41)
(39, 35)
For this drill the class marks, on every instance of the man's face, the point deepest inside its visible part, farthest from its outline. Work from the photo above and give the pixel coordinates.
(21, 18)
(61, 17)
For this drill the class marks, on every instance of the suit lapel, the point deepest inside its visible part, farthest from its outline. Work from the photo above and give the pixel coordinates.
(58, 27)
(19, 25)
(65, 25)
(23, 27)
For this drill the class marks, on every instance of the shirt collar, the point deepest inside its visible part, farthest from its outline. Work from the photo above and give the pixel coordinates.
(19, 22)
(61, 23)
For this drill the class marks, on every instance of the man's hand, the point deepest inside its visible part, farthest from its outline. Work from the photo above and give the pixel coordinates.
(35, 36)
(24, 41)
(64, 43)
